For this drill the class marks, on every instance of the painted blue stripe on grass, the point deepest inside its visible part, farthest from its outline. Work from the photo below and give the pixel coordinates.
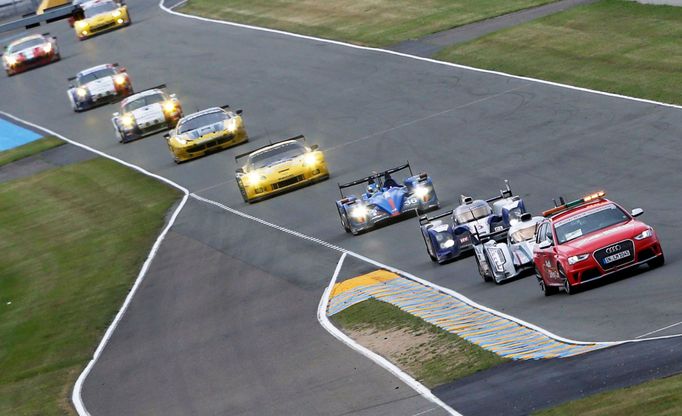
(12, 136)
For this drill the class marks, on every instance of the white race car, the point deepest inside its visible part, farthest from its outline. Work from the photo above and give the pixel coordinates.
(500, 261)
(147, 112)
(98, 85)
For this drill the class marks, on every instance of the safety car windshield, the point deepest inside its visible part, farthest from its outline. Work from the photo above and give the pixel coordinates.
(143, 102)
(31, 43)
(100, 8)
(468, 213)
(202, 121)
(91, 76)
(523, 234)
(284, 151)
(589, 222)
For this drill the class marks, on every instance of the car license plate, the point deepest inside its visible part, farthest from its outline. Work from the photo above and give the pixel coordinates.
(616, 257)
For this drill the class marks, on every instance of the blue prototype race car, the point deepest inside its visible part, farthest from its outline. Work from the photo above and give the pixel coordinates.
(472, 219)
(385, 199)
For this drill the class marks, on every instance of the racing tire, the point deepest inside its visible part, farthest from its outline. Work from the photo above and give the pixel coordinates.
(484, 276)
(657, 262)
(242, 191)
(546, 290)
(344, 220)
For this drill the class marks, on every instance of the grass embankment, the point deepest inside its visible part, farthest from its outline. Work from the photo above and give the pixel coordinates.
(374, 23)
(72, 240)
(614, 45)
(29, 149)
(429, 354)
(655, 398)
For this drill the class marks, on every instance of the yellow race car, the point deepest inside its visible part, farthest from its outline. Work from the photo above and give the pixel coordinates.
(205, 132)
(279, 167)
(100, 16)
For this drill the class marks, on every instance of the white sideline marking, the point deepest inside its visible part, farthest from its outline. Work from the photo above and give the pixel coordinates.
(404, 377)
(659, 330)
(418, 58)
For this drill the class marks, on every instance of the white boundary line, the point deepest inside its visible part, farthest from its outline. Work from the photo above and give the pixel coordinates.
(405, 55)
(390, 367)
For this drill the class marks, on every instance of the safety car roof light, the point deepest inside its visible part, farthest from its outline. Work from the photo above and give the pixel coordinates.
(588, 198)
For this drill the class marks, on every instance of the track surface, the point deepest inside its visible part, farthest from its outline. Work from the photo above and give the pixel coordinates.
(372, 110)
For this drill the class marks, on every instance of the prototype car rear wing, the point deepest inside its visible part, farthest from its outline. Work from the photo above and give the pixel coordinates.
(299, 137)
(425, 219)
(374, 176)
(504, 193)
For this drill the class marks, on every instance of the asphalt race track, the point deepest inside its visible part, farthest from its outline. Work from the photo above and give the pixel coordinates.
(370, 111)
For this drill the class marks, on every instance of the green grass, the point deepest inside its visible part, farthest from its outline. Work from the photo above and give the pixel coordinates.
(444, 358)
(29, 149)
(72, 240)
(655, 398)
(614, 45)
(374, 23)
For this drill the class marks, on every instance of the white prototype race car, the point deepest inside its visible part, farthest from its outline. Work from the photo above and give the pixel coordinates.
(500, 261)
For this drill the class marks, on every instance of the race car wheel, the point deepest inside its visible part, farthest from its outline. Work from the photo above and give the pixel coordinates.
(568, 287)
(344, 221)
(486, 277)
(242, 191)
(657, 262)
(546, 290)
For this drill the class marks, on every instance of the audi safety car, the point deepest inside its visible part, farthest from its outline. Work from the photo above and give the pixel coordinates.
(30, 52)
(589, 238)
(206, 132)
(280, 167)
(500, 261)
(448, 240)
(98, 85)
(145, 113)
(385, 199)
(100, 16)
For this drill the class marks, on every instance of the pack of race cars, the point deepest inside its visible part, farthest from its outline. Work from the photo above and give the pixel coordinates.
(565, 247)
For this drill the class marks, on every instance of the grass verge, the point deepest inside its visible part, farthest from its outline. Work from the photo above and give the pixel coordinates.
(429, 354)
(73, 240)
(614, 45)
(374, 23)
(29, 149)
(659, 397)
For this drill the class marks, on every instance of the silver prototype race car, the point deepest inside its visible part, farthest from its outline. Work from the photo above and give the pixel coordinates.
(500, 261)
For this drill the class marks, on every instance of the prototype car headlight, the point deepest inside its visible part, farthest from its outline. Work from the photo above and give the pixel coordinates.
(515, 215)
(310, 159)
(47, 48)
(120, 79)
(421, 191)
(231, 125)
(498, 258)
(448, 243)
(577, 259)
(11, 60)
(645, 234)
(128, 121)
(359, 212)
(81, 92)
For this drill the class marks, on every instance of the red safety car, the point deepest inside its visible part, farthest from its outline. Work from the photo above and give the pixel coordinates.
(590, 238)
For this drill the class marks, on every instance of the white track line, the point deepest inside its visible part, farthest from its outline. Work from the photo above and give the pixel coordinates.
(659, 330)
(405, 55)
(404, 377)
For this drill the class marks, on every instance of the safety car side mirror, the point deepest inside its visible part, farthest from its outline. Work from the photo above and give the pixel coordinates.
(545, 244)
(637, 212)
(314, 147)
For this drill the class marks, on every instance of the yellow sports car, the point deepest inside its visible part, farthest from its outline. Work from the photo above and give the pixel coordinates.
(101, 16)
(279, 167)
(205, 132)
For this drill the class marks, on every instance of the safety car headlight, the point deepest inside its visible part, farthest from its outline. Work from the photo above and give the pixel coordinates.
(645, 234)
(116, 13)
(81, 24)
(47, 48)
(11, 60)
(421, 191)
(498, 258)
(231, 125)
(255, 178)
(359, 212)
(127, 120)
(310, 159)
(577, 259)
(120, 79)
(169, 106)
(81, 92)
(448, 243)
